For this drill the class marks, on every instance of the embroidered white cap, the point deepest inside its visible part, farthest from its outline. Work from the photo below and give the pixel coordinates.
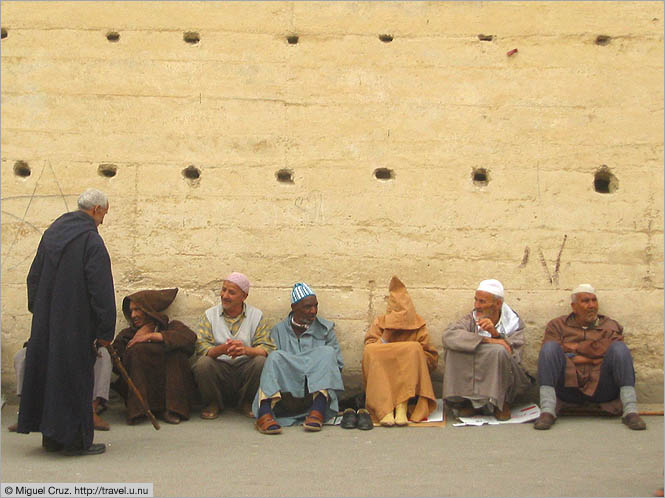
(492, 286)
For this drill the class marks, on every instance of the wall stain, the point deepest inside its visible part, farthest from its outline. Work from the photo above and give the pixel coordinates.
(553, 278)
(525, 257)
(557, 266)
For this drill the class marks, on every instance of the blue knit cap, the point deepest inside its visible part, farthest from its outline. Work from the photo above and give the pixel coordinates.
(300, 291)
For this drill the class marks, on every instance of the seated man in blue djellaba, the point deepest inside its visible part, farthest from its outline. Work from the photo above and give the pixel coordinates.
(301, 378)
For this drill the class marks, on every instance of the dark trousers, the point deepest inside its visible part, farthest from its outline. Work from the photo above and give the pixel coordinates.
(616, 371)
(228, 384)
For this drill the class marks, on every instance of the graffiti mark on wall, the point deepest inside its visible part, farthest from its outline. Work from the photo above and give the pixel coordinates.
(26, 233)
(310, 207)
(553, 277)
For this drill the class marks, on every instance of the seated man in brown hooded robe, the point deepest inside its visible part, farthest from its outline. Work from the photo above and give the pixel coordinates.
(397, 361)
(155, 353)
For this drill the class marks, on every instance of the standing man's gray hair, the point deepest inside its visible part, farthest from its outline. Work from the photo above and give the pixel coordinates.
(92, 197)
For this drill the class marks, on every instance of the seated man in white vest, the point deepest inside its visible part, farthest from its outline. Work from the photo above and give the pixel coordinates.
(233, 340)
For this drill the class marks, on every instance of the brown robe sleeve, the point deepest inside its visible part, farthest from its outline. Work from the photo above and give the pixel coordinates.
(121, 340)
(179, 336)
(553, 333)
(597, 347)
(460, 336)
(516, 340)
(583, 376)
(431, 354)
(374, 333)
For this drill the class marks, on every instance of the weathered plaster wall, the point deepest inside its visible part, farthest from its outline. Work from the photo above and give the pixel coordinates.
(431, 105)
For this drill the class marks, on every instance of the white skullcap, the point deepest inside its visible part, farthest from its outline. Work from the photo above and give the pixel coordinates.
(583, 288)
(492, 286)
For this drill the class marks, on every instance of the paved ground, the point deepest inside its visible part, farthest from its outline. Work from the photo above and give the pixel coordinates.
(579, 456)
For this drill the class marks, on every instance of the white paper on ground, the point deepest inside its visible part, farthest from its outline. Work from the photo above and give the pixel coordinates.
(518, 415)
(334, 420)
(437, 414)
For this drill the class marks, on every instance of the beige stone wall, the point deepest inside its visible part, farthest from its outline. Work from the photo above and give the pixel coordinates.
(431, 105)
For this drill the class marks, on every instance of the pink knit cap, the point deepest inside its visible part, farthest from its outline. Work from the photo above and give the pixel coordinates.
(240, 280)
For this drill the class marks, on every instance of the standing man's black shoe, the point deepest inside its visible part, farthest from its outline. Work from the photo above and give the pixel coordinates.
(364, 420)
(349, 419)
(94, 449)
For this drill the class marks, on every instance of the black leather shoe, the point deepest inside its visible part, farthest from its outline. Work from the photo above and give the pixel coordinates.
(94, 449)
(349, 419)
(364, 420)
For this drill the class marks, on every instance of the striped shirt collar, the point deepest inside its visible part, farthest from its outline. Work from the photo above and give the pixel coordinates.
(243, 313)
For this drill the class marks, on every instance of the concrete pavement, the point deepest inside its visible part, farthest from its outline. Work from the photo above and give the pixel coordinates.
(579, 456)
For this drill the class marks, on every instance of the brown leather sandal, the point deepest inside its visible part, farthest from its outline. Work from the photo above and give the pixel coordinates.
(264, 423)
(314, 421)
(210, 412)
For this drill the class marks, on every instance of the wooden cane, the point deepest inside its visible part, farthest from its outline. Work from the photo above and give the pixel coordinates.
(132, 386)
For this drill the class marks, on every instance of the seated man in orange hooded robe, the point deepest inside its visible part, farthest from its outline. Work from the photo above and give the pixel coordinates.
(155, 352)
(397, 361)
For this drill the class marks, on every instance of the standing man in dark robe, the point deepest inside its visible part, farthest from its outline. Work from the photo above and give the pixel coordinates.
(155, 352)
(71, 297)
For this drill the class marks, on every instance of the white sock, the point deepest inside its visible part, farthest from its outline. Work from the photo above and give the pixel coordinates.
(548, 400)
(628, 399)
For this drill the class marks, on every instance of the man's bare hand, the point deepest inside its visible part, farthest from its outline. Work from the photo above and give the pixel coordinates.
(150, 337)
(236, 348)
(486, 324)
(218, 350)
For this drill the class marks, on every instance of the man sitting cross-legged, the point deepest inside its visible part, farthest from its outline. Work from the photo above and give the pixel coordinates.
(232, 345)
(300, 379)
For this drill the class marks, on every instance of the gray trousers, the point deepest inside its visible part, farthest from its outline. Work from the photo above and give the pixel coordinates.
(103, 368)
(225, 383)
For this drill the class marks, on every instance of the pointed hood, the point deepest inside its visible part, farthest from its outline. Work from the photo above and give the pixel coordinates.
(400, 312)
(151, 302)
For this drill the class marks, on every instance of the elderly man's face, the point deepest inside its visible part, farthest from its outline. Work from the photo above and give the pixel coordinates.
(232, 297)
(138, 316)
(305, 310)
(98, 213)
(585, 307)
(487, 305)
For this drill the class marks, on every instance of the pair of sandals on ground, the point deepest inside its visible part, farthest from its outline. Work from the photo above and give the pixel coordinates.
(266, 423)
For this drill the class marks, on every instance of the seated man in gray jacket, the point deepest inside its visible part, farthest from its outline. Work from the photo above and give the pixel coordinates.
(482, 356)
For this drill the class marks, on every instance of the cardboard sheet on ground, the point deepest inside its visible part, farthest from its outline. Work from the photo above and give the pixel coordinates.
(518, 415)
(435, 419)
